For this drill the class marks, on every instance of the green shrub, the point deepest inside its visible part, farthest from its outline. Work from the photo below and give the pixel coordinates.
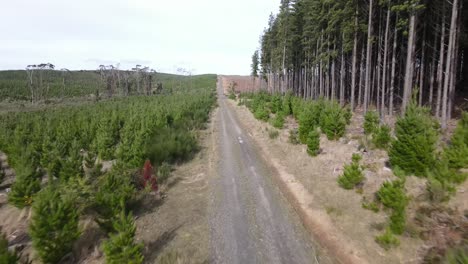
(381, 137)
(54, 225)
(286, 106)
(347, 114)
(333, 121)
(387, 240)
(261, 114)
(442, 172)
(413, 149)
(308, 119)
(276, 104)
(232, 95)
(313, 143)
(164, 171)
(293, 137)
(438, 191)
(114, 191)
(169, 145)
(457, 255)
(352, 174)
(398, 221)
(371, 122)
(457, 152)
(397, 171)
(121, 246)
(371, 206)
(272, 134)
(392, 194)
(278, 120)
(297, 106)
(25, 187)
(6, 256)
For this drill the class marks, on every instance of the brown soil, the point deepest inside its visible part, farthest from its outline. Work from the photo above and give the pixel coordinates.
(333, 215)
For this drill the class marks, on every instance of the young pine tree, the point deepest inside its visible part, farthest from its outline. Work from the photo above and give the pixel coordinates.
(371, 122)
(313, 143)
(307, 123)
(333, 121)
(54, 225)
(457, 152)
(381, 137)
(352, 174)
(121, 246)
(114, 188)
(392, 195)
(27, 184)
(6, 256)
(414, 147)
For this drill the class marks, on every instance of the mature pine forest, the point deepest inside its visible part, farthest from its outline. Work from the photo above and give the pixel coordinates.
(378, 54)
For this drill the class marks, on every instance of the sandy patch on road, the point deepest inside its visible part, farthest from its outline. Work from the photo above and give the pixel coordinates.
(333, 215)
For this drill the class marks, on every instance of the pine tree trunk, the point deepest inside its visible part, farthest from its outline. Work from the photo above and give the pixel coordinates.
(361, 77)
(432, 73)
(378, 67)
(421, 71)
(449, 71)
(368, 56)
(440, 68)
(409, 72)
(393, 72)
(453, 78)
(353, 71)
(333, 81)
(342, 78)
(385, 66)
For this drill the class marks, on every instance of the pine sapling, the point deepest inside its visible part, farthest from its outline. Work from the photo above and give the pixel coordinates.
(6, 256)
(456, 152)
(333, 121)
(392, 195)
(371, 122)
(353, 174)
(54, 225)
(121, 246)
(414, 148)
(381, 137)
(313, 143)
(25, 187)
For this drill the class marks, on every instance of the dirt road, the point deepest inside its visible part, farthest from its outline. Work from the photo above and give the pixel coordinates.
(250, 220)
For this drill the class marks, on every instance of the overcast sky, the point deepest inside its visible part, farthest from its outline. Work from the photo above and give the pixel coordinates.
(208, 36)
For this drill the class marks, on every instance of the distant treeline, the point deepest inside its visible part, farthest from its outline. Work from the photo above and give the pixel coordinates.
(51, 83)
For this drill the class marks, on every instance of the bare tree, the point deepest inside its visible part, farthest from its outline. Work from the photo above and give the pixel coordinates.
(65, 72)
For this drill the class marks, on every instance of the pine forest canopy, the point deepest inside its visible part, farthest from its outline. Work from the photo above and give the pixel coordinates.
(376, 52)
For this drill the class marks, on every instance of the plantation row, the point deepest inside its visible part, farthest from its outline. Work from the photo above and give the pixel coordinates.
(414, 149)
(58, 156)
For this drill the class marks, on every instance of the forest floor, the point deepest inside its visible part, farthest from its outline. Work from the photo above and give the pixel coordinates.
(335, 216)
